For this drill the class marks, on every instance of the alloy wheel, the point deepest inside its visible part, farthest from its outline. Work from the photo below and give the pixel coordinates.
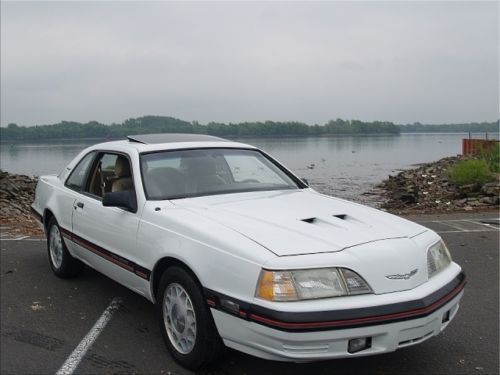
(179, 318)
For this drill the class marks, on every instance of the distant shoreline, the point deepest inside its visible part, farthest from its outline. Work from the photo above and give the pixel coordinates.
(259, 129)
(494, 135)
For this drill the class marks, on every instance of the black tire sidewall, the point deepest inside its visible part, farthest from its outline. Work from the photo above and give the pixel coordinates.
(207, 343)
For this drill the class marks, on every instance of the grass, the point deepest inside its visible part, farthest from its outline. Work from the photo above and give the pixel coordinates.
(471, 171)
(491, 155)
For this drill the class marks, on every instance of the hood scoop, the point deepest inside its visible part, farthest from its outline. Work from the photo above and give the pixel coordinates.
(342, 221)
(310, 220)
(326, 222)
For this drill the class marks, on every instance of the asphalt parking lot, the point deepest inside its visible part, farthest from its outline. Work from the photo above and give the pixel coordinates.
(43, 318)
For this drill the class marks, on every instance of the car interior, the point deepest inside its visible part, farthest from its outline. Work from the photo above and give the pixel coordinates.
(111, 173)
(194, 174)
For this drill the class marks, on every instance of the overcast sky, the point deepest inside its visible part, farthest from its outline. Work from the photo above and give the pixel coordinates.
(230, 62)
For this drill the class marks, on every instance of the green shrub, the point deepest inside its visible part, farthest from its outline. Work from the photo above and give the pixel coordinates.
(491, 155)
(470, 172)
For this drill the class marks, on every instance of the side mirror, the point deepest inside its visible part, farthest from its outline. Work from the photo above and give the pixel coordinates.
(304, 180)
(122, 199)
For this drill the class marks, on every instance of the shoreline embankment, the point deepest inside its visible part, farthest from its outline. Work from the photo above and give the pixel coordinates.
(428, 189)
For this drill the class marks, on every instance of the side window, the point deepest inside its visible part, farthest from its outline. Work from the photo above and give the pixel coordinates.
(76, 180)
(108, 162)
(111, 172)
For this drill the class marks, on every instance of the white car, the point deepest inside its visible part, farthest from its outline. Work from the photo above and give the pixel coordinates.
(236, 250)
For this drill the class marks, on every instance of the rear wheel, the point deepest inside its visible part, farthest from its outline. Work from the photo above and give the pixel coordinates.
(186, 323)
(62, 263)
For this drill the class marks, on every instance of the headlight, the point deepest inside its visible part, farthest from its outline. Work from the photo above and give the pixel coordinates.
(298, 285)
(438, 257)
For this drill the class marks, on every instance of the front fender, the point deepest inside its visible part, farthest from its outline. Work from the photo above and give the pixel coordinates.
(221, 259)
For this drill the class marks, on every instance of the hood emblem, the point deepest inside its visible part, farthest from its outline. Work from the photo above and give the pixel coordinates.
(404, 276)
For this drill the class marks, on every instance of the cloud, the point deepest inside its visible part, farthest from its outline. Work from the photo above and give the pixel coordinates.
(396, 61)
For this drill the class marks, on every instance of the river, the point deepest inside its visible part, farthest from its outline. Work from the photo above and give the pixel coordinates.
(343, 166)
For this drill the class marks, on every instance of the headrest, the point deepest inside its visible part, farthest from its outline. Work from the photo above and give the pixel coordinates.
(122, 167)
(200, 165)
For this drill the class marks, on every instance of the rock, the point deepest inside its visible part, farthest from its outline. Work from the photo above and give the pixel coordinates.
(472, 202)
(16, 195)
(426, 188)
(492, 201)
(471, 188)
(474, 194)
(408, 198)
(491, 188)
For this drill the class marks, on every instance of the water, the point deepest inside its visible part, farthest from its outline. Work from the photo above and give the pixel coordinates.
(343, 166)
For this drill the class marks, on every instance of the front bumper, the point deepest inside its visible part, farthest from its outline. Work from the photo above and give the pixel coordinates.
(280, 336)
(269, 343)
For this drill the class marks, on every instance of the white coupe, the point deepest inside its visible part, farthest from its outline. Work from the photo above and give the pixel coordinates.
(236, 250)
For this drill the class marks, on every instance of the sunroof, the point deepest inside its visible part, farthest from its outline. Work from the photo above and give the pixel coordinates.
(172, 137)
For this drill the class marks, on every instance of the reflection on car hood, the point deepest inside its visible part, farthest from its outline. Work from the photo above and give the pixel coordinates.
(300, 221)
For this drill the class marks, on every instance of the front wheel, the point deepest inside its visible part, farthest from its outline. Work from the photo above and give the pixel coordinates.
(186, 323)
(62, 263)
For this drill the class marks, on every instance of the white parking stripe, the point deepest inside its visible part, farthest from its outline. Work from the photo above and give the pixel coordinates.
(477, 221)
(75, 358)
(464, 225)
(455, 225)
(466, 231)
(491, 226)
(21, 238)
(14, 239)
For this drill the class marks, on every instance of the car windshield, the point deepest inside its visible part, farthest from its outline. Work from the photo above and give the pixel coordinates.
(191, 173)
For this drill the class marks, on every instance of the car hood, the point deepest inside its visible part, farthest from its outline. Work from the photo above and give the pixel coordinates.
(300, 221)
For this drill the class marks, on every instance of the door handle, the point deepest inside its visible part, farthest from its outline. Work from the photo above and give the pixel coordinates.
(80, 204)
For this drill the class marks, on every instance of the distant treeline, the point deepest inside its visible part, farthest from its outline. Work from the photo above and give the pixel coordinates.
(473, 127)
(162, 124)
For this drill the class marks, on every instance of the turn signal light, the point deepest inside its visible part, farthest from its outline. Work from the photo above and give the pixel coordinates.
(276, 286)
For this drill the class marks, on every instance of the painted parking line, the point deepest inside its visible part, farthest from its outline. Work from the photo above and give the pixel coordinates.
(466, 231)
(466, 225)
(458, 220)
(21, 238)
(492, 223)
(18, 238)
(10, 233)
(77, 355)
(463, 225)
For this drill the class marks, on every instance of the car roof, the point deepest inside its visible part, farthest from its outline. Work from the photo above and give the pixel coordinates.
(172, 138)
(143, 143)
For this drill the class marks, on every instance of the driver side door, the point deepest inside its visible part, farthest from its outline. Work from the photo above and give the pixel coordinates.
(105, 237)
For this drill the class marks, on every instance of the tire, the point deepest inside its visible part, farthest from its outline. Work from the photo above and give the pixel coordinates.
(62, 263)
(186, 322)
